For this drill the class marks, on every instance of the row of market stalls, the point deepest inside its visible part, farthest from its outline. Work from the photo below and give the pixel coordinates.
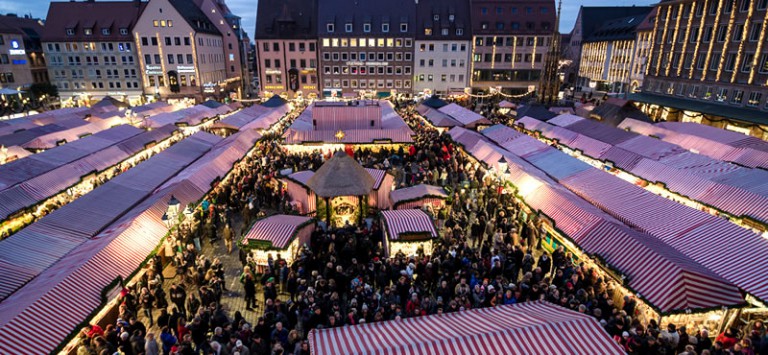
(682, 278)
(260, 117)
(713, 142)
(25, 136)
(442, 115)
(100, 252)
(332, 126)
(189, 117)
(524, 328)
(717, 186)
(57, 175)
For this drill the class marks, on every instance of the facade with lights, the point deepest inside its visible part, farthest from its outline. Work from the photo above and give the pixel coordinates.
(181, 52)
(286, 48)
(21, 54)
(709, 64)
(90, 51)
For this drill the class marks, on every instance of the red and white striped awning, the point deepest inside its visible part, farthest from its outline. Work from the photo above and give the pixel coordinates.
(417, 192)
(523, 328)
(400, 222)
(277, 229)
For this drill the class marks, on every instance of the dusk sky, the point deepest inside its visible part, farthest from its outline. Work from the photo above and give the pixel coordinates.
(247, 9)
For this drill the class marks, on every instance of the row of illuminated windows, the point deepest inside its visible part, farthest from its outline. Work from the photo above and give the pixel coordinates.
(443, 78)
(104, 31)
(744, 63)
(81, 85)
(363, 70)
(277, 79)
(89, 47)
(506, 58)
(179, 59)
(453, 63)
(734, 96)
(367, 42)
(94, 74)
(268, 63)
(368, 84)
(159, 80)
(370, 56)
(511, 41)
(56, 60)
(453, 47)
(737, 32)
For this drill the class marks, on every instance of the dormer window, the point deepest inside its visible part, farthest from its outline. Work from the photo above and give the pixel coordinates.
(436, 17)
(329, 27)
(88, 31)
(105, 31)
(451, 17)
(427, 31)
(459, 31)
(70, 31)
(444, 32)
(348, 27)
(366, 27)
(385, 27)
(124, 31)
(403, 27)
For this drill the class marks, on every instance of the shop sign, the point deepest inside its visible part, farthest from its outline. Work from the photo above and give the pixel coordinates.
(15, 50)
(116, 93)
(154, 70)
(185, 69)
(209, 88)
(369, 63)
(272, 71)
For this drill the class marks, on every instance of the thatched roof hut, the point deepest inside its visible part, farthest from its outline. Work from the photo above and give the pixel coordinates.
(341, 176)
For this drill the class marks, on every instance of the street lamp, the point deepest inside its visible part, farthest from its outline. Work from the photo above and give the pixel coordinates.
(503, 166)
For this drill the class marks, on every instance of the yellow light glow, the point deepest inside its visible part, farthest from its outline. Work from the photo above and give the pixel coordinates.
(711, 41)
(744, 32)
(723, 57)
(698, 39)
(340, 135)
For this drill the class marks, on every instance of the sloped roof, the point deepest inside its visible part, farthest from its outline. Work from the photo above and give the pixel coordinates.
(113, 15)
(341, 176)
(618, 28)
(194, 16)
(593, 17)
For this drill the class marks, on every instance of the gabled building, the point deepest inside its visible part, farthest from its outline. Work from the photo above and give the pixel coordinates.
(181, 52)
(608, 54)
(286, 47)
(229, 26)
(366, 47)
(90, 50)
(588, 21)
(510, 40)
(22, 62)
(443, 46)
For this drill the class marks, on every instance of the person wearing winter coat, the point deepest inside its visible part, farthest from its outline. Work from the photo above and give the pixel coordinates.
(150, 345)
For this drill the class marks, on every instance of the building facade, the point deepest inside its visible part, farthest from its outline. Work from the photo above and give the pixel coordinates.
(608, 55)
(443, 46)
(589, 20)
(181, 52)
(366, 48)
(229, 26)
(90, 51)
(510, 40)
(22, 62)
(286, 47)
(709, 64)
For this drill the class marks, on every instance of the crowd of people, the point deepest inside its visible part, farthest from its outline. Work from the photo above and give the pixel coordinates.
(487, 255)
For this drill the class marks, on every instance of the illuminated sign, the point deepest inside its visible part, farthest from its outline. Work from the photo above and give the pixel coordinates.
(17, 52)
(15, 44)
(273, 87)
(19, 61)
(209, 88)
(369, 63)
(185, 69)
(118, 93)
(154, 70)
(272, 71)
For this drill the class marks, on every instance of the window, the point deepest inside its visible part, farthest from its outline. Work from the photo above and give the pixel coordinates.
(722, 95)
(105, 31)
(154, 41)
(763, 68)
(744, 5)
(180, 59)
(694, 34)
(329, 27)
(754, 31)
(721, 33)
(276, 46)
(762, 4)
(484, 11)
(738, 30)
(385, 27)
(707, 35)
(730, 60)
(366, 27)
(157, 59)
(738, 96)
(754, 99)
(746, 62)
(70, 31)
(403, 27)
(499, 25)
(427, 31)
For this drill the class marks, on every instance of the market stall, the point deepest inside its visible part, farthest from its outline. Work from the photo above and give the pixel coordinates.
(419, 196)
(279, 234)
(525, 328)
(408, 231)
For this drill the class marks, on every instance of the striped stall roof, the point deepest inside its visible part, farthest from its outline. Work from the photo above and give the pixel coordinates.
(565, 120)
(303, 176)
(400, 222)
(69, 290)
(354, 136)
(525, 328)
(40, 245)
(464, 116)
(439, 119)
(416, 192)
(278, 229)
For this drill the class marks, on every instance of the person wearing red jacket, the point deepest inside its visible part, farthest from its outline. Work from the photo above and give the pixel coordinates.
(727, 338)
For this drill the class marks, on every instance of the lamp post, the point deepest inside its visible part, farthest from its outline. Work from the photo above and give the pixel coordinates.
(503, 166)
